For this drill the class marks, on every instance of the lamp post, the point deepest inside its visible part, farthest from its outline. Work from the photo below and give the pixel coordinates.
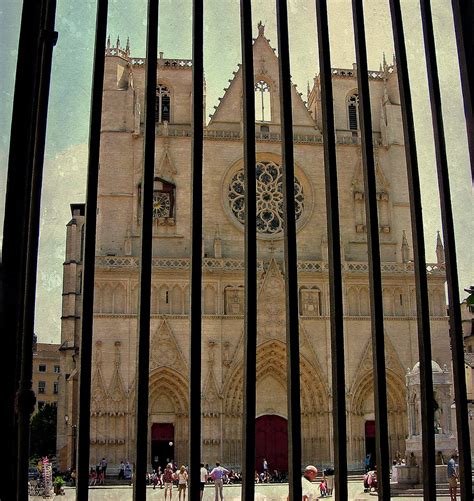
(74, 438)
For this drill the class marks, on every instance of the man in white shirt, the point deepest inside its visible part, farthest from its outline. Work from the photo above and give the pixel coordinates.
(203, 479)
(309, 490)
(217, 475)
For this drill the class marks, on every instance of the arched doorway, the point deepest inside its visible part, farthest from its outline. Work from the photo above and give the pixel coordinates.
(271, 442)
(162, 444)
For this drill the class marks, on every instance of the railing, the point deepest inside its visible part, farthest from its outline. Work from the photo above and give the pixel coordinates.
(210, 264)
(21, 230)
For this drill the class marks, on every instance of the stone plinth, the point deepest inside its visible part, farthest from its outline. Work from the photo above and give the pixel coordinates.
(406, 475)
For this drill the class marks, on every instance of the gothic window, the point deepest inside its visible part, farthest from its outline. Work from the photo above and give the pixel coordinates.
(353, 111)
(263, 110)
(269, 197)
(163, 104)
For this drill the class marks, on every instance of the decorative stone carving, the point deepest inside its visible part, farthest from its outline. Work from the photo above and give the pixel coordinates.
(164, 350)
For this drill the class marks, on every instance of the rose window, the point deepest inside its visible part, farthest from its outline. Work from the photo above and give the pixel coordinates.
(269, 197)
(161, 205)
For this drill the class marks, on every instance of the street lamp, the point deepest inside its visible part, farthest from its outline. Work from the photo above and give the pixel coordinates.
(74, 435)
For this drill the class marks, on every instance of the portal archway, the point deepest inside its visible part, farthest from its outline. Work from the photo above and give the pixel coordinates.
(271, 442)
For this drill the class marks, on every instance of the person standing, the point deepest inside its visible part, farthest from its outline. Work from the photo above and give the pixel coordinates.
(103, 465)
(182, 483)
(453, 477)
(203, 478)
(308, 489)
(168, 480)
(121, 473)
(265, 466)
(217, 474)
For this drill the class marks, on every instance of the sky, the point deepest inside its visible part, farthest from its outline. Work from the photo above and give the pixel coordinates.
(68, 121)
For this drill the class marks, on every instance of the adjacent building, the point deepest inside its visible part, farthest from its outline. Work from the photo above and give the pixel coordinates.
(46, 374)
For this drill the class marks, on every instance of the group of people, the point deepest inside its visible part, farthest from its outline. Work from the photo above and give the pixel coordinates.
(172, 475)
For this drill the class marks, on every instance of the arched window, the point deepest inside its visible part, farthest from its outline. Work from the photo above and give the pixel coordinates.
(163, 104)
(353, 111)
(263, 109)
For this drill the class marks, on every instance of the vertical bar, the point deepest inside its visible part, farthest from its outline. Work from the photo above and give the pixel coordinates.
(463, 14)
(250, 322)
(455, 325)
(83, 418)
(26, 396)
(375, 277)
(14, 248)
(291, 257)
(146, 250)
(195, 368)
(416, 213)
(335, 265)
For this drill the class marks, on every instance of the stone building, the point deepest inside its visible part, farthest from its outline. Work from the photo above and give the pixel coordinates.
(46, 373)
(116, 288)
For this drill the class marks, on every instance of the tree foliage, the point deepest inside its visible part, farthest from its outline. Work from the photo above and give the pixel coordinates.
(43, 432)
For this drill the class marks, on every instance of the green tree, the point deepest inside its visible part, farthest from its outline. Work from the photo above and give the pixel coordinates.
(43, 432)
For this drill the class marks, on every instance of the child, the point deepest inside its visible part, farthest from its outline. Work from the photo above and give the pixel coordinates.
(323, 488)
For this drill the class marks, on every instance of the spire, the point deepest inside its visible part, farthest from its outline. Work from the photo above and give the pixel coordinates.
(439, 250)
(261, 29)
(405, 248)
(127, 47)
(108, 42)
(118, 42)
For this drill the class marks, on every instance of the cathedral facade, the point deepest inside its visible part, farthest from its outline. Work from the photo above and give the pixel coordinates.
(117, 270)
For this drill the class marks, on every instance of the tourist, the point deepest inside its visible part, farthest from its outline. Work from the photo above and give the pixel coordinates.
(121, 473)
(453, 477)
(265, 466)
(203, 478)
(367, 462)
(323, 488)
(92, 477)
(308, 489)
(103, 465)
(217, 475)
(168, 480)
(182, 482)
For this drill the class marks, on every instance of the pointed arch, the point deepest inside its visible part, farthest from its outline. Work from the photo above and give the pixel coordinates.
(177, 300)
(119, 300)
(209, 300)
(163, 300)
(107, 299)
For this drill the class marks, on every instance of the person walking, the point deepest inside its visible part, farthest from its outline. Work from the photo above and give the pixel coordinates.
(203, 478)
(217, 474)
(453, 477)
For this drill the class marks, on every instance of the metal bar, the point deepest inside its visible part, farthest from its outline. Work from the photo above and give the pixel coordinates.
(455, 324)
(26, 396)
(83, 417)
(291, 256)
(14, 248)
(421, 281)
(195, 368)
(375, 277)
(250, 319)
(335, 265)
(463, 14)
(146, 251)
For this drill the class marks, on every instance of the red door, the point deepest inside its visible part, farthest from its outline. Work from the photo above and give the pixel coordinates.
(271, 443)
